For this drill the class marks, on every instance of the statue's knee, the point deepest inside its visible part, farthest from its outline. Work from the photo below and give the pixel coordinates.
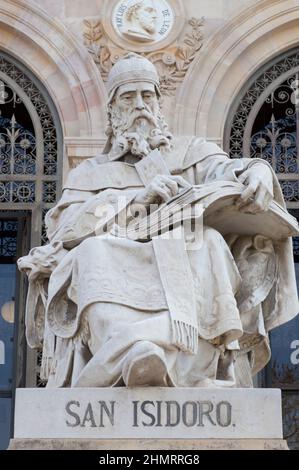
(87, 243)
(211, 235)
(97, 312)
(88, 246)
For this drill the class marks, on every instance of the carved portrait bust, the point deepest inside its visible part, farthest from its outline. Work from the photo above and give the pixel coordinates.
(142, 18)
(145, 21)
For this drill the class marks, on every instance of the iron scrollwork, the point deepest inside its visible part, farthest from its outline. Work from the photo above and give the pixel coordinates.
(266, 125)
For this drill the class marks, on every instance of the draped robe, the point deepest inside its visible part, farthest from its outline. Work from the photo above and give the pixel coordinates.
(231, 291)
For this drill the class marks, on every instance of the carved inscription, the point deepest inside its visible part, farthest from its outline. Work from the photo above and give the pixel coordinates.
(148, 413)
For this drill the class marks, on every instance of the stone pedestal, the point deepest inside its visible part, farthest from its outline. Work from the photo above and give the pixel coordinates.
(148, 418)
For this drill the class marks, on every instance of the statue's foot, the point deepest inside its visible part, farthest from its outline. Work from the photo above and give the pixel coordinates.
(145, 366)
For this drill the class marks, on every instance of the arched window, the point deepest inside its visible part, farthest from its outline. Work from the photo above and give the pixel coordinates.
(30, 166)
(30, 184)
(264, 123)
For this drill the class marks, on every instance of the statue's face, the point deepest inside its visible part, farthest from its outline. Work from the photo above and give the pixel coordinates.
(135, 108)
(137, 96)
(135, 118)
(147, 16)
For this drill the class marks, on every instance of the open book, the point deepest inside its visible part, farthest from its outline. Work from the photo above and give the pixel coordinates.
(216, 203)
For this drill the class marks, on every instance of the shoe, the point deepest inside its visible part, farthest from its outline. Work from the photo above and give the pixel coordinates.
(145, 366)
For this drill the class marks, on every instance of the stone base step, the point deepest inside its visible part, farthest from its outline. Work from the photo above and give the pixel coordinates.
(148, 444)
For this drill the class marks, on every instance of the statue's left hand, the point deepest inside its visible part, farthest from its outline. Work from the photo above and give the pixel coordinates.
(258, 194)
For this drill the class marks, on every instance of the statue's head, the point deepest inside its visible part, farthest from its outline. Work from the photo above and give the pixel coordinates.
(142, 15)
(135, 120)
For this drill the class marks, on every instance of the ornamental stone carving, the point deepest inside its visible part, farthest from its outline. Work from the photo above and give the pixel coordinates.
(157, 29)
(172, 63)
(143, 20)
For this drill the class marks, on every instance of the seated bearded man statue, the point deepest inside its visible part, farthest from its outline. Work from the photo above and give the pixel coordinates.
(112, 311)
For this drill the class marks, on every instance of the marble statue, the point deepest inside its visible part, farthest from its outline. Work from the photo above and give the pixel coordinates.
(111, 311)
(141, 18)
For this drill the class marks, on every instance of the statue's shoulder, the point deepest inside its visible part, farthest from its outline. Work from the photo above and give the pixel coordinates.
(98, 173)
(190, 150)
(80, 176)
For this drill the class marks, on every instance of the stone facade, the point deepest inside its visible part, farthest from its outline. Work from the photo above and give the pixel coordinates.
(57, 41)
(238, 38)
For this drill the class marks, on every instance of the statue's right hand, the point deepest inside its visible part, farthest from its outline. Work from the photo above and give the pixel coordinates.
(161, 189)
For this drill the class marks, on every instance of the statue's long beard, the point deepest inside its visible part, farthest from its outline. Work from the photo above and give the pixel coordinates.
(138, 132)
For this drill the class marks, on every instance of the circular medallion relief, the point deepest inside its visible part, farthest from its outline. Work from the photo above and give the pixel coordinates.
(145, 21)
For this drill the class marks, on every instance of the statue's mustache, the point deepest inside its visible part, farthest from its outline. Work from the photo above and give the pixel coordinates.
(135, 115)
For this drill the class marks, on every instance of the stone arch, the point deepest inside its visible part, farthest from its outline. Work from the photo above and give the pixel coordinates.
(229, 59)
(62, 64)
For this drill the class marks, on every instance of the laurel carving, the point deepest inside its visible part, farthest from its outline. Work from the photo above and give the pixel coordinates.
(172, 63)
